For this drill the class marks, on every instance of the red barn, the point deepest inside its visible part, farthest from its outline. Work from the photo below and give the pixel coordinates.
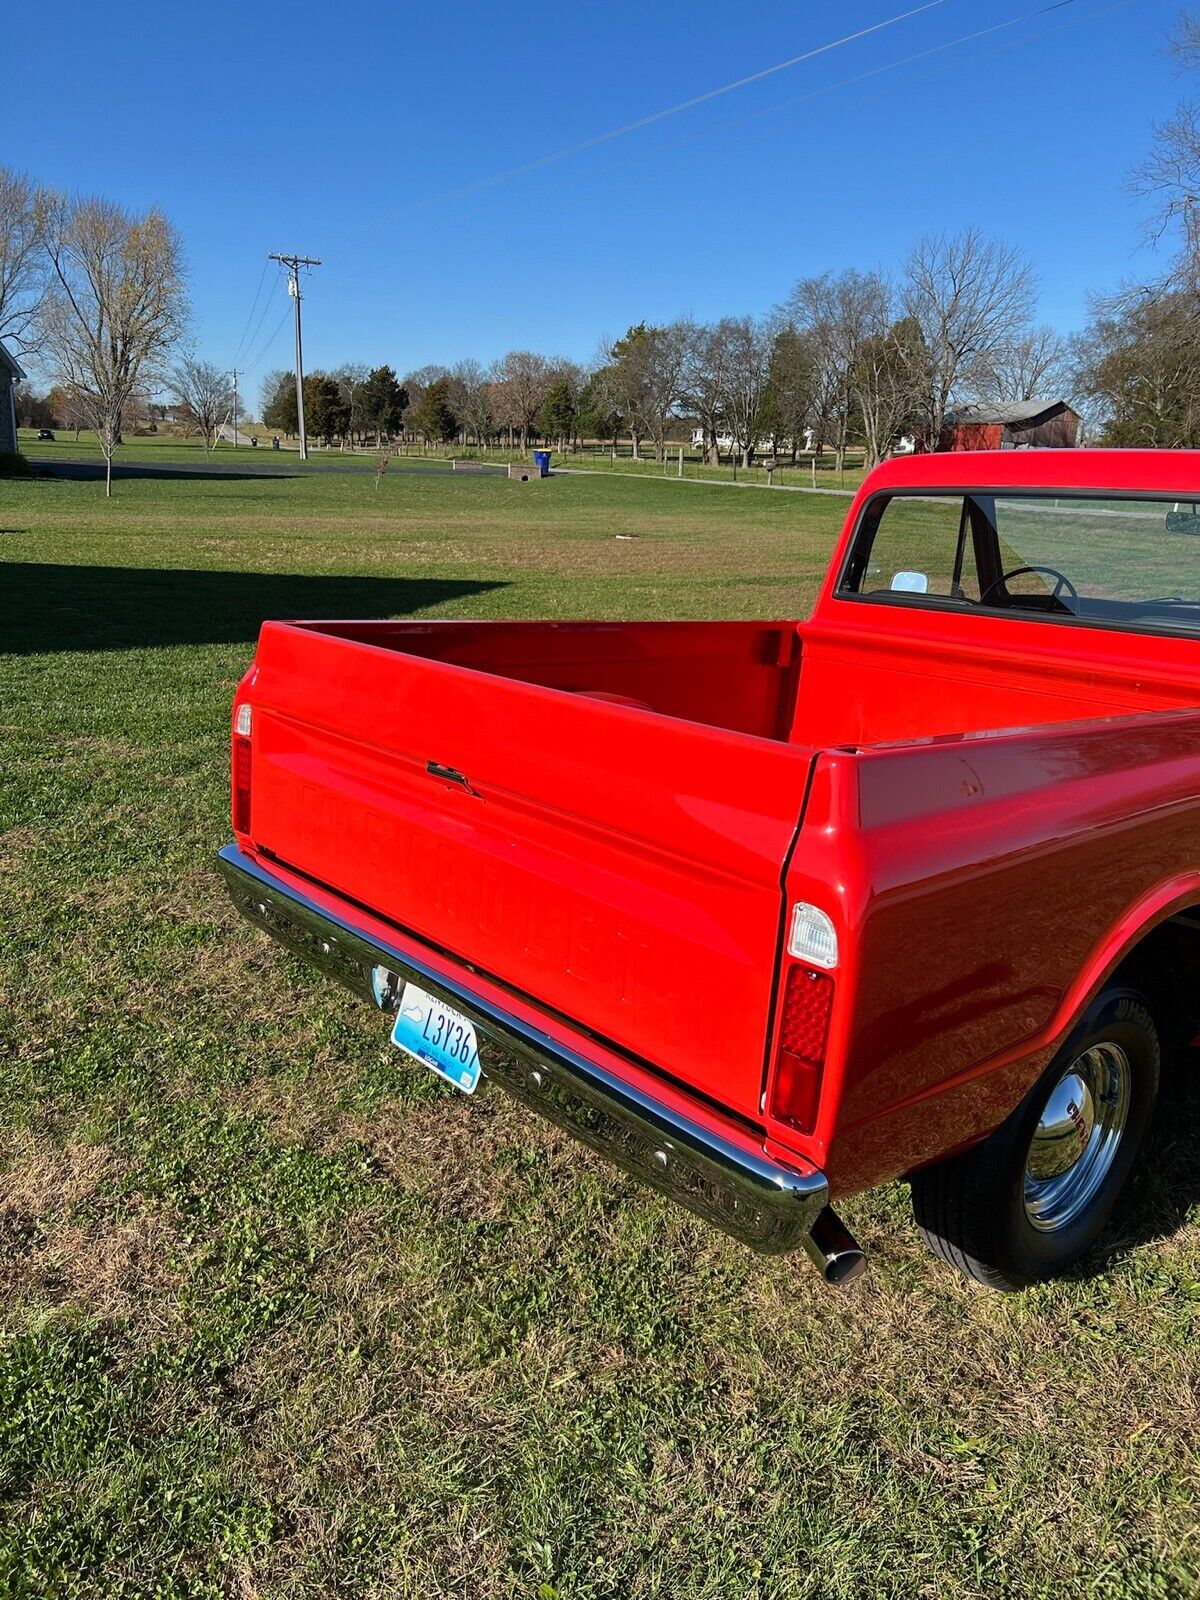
(1011, 425)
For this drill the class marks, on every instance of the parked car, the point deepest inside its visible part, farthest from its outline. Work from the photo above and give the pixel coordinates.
(45, 433)
(772, 912)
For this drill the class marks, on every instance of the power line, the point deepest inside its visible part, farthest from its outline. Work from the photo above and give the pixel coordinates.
(262, 278)
(262, 317)
(906, 61)
(899, 63)
(660, 116)
(913, 58)
(294, 263)
(253, 365)
(253, 362)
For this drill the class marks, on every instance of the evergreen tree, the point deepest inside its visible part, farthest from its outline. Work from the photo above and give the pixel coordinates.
(598, 416)
(434, 416)
(383, 402)
(556, 419)
(326, 409)
(278, 399)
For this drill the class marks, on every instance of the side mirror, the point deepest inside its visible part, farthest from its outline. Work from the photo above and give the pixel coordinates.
(910, 583)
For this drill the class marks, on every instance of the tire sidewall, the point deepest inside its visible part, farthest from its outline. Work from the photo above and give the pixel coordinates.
(1122, 1017)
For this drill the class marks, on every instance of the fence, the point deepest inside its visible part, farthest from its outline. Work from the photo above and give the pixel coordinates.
(681, 461)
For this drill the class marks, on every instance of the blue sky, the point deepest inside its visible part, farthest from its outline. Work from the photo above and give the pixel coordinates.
(363, 136)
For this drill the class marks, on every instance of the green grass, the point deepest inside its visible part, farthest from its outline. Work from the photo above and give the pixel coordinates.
(282, 1317)
(165, 447)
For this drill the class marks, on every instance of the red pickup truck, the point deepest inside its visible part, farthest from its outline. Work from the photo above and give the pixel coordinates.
(770, 912)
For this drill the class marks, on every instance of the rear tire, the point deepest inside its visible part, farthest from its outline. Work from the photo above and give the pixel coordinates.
(1034, 1197)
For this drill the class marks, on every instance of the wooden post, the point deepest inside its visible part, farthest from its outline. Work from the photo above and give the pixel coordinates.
(681, 461)
(814, 469)
(770, 475)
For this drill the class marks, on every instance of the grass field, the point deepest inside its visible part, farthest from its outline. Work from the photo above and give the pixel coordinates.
(279, 1316)
(165, 447)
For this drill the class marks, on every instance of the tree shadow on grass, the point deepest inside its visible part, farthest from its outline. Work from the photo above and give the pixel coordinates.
(45, 607)
(93, 471)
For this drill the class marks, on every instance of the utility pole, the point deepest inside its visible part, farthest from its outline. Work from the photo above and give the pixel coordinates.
(235, 408)
(294, 263)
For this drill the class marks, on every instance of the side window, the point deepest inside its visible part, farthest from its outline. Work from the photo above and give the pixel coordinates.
(920, 545)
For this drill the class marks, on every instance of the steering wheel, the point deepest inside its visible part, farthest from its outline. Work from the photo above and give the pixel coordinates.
(1062, 584)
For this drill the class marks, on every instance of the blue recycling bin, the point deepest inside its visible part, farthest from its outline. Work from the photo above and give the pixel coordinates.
(541, 460)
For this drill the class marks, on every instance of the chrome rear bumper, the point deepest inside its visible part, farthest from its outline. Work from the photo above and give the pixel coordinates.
(712, 1166)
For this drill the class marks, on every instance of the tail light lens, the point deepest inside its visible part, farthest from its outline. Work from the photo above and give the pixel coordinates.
(241, 770)
(804, 1029)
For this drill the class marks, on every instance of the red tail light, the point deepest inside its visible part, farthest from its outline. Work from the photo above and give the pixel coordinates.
(241, 785)
(807, 1002)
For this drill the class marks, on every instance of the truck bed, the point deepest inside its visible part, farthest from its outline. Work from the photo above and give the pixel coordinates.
(601, 816)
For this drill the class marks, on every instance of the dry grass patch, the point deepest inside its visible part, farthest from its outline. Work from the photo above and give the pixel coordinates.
(61, 1246)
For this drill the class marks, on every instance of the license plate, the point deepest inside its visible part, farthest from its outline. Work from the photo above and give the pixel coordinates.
(433, 1032)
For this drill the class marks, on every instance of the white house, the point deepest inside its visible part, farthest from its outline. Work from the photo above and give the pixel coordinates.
(726, 443)
(10, 376)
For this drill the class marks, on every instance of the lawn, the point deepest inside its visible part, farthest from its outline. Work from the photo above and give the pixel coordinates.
(283, 1317)
(166, 447)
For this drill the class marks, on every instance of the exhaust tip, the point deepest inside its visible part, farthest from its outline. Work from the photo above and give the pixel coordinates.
(843, 1269)
(834, 1251)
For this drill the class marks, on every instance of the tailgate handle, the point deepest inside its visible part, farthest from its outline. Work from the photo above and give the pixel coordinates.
(435, 769)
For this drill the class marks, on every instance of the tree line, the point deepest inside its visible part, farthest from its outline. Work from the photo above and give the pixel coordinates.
(96, 296)
(849, 358)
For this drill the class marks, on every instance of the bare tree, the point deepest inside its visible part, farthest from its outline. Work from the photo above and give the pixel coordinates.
(864, 354)
(788, 405)
(705, 379)
(500, 400)
(600, 406)
(116, 305)
(204, 392)
(1033, 365)
(647, 377)
(1170, 175)
(350, 378)
(67, 410)
(747, 370)
(840, 313)
(883, 380)
(471, 398)
(971, 297)
(525, 378)
(22, 260)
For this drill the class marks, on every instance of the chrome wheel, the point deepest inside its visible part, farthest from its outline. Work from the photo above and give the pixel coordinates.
(1077, 1137)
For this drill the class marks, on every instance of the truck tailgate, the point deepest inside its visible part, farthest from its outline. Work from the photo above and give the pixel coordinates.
(617, 866)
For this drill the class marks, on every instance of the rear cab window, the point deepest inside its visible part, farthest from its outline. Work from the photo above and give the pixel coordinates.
(1124, 562)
